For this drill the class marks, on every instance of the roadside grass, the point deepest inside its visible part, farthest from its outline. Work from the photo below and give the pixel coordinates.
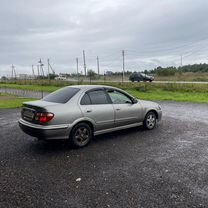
(29, 87)
(11, 101)
(53, 85)
(159, 95)
(150, 91)
(185, 76)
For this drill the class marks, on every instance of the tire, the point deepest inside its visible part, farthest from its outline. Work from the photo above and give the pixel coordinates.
(150, 120)
(81, 135)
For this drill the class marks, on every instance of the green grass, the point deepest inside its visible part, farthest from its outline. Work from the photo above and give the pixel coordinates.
(30, 87)
(171, 96)
(10, 101)
(149, 91)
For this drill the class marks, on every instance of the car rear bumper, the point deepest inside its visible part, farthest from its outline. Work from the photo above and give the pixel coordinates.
(45, 132)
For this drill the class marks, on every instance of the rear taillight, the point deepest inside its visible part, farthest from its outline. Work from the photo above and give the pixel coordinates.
(43, 117)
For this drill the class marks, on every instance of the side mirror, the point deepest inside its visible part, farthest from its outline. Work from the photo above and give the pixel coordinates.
(134, 100)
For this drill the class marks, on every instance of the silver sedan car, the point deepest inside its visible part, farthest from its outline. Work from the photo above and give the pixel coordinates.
(80, 112)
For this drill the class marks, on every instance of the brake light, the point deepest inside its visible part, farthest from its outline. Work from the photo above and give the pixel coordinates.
(44, 117)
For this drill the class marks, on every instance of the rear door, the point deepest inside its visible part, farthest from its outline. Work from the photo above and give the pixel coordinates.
(96, 105)
(126, 112)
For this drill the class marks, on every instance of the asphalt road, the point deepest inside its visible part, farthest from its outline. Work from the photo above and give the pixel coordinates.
(173, 82)
(165, 167)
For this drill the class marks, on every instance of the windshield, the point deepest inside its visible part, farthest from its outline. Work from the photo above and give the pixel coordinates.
(61, 96)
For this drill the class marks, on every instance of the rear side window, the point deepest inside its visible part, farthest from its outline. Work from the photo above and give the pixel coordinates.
(85, 100)
(98, 97)
(61, 96)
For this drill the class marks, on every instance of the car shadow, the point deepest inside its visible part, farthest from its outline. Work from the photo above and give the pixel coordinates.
(118, 134)
(50, 146)
(61, 146)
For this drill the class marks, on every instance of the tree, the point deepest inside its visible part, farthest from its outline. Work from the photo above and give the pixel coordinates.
(91, 74)
(4, 78)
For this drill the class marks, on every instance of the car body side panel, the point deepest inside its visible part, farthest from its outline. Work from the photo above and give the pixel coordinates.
(103, 115)
(150, 106)
(127, 113)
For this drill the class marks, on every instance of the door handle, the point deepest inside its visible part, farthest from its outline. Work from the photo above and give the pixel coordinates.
(88, 111)
(118, 109)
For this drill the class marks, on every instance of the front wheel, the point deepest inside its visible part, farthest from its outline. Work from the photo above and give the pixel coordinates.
(81, 135)
(150, 120)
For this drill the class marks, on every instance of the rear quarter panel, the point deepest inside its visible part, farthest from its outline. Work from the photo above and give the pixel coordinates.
(66, 113)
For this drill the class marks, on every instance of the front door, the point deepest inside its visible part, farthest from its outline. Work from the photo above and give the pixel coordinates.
(126, 112)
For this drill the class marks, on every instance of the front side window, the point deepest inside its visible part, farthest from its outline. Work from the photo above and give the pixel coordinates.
(118, 97)
(61, 96)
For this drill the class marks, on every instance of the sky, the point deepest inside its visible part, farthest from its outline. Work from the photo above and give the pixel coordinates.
(151, 32)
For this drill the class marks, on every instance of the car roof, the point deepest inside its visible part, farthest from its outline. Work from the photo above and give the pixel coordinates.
(85, 88)
(90, 87)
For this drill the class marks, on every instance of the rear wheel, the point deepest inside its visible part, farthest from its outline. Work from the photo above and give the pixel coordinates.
(81, 135)
(150, 120)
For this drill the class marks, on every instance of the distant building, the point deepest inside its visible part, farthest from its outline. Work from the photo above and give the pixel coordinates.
(108, 73)
(61, 77)
(25, 76)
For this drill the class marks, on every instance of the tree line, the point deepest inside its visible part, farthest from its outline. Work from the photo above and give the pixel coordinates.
(171, 71)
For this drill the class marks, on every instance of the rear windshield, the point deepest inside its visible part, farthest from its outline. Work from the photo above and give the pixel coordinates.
(61, 96)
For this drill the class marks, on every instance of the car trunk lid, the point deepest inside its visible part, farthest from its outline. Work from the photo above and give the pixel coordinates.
(30, 109)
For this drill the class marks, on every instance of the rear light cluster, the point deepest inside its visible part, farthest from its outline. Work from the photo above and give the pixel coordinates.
(43, 117)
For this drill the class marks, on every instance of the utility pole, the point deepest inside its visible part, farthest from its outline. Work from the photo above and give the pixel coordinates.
(33, 73)
(48, 69)
(98, 66)
(38, 69)
(181, 60)
(41, 70)
(123, 55)
(77, 61)
(41, 67)
(13, 72)
(85, 68)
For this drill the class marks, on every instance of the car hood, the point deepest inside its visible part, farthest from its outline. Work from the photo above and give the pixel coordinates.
(148, 104)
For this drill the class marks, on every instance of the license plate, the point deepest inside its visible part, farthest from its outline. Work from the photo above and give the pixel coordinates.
(28, 114)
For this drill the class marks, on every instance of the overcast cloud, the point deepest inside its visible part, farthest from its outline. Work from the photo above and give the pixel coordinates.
(152, 33)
